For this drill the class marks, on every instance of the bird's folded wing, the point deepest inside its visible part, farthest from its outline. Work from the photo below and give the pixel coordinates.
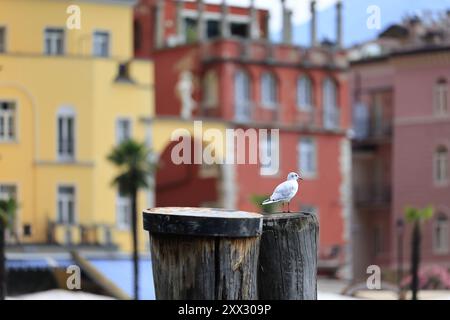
(283, 191)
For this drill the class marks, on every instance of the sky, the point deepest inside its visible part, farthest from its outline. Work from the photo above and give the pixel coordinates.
(355, 16)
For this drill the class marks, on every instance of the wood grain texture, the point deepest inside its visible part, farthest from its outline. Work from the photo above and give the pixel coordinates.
(288, 257)
(200, 253)
(208, 268)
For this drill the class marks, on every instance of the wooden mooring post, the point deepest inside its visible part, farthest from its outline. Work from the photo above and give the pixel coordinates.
(200, 253)
(288, 257)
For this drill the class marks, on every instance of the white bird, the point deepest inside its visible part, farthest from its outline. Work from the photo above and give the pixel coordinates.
(285, 191)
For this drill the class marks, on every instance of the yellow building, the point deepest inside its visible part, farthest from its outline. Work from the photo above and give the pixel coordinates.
(69, 92)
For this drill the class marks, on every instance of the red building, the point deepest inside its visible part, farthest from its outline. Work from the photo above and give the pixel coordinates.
(239, 79)
(402, 137)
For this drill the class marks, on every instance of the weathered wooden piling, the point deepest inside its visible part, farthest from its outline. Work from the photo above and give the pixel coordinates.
(200, 253)
(288, 257)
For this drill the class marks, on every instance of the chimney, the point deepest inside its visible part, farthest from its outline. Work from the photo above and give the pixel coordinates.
(339, 37)
(254, 21)
(224, 27)
(201, 21)
(287, 27)
(159, 24)
(313, 23)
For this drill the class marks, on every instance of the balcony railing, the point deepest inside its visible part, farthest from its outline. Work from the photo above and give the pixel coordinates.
(79, 234)
(262, 50)
(365, 130)
(313, 118)
(372, 195)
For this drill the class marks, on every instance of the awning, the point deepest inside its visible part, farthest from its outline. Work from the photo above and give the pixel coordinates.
(120, 272)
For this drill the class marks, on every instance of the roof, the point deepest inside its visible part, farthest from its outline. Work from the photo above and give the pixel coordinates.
(394, 31)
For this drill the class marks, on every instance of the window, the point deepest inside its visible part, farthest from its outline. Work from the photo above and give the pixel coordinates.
(123, 130)
(100, 44)
(66, 204)
(212, 28)
(66, 134)
(441, 165)
(304, 94)
(239, 29)
(2, 39)
(242, 96)
(123, 211)
(7, 121)
(190, 30)
(54, 41)
(8, 191)
(210, 89)
(440, 235)
(307, 158)
(330, 110)
(268, 90)
(441, 97)
(269, 154)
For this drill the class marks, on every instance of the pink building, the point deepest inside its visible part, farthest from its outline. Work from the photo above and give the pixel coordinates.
(400, 91)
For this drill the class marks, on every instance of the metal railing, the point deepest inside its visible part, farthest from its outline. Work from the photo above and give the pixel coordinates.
(372, 195)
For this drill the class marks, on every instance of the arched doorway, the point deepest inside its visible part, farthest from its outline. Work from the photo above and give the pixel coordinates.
(187, 185)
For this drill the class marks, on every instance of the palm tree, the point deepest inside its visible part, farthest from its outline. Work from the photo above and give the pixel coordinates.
(7, 213)
(133, 160)
(416, 217)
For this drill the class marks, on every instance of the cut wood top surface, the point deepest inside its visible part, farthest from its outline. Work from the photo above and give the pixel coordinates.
(204, 212)
(287, 215)
(202, 222)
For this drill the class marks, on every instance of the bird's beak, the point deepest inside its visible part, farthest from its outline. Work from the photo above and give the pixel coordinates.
(300, 178)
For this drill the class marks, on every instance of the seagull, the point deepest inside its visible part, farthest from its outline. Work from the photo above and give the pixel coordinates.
(285, 191)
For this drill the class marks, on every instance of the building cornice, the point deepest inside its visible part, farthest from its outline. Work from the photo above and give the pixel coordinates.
(250, 124)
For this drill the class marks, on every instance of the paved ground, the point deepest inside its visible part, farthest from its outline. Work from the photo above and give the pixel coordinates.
(331, 285)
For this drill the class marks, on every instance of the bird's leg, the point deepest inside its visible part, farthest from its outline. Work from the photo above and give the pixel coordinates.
(288, 207)
(282, 204)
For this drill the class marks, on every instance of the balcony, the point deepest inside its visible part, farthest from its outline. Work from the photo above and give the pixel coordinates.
(265, 51)
(314, 118)
(372, 196)
(79, 234)
(369, 131)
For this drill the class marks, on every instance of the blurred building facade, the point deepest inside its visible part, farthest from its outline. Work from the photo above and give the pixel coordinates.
(400, 96)
(68, 95)
(214, 63)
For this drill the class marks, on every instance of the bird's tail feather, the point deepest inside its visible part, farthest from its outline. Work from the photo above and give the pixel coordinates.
(268, 201)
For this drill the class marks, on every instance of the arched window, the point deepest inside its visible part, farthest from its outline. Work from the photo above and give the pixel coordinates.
(441, 97)
(210, 89)
(66, 134)
(242, 98)
(441, 165)
(268, 90)
(440, 234)
(304, 93)
(330, 109)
